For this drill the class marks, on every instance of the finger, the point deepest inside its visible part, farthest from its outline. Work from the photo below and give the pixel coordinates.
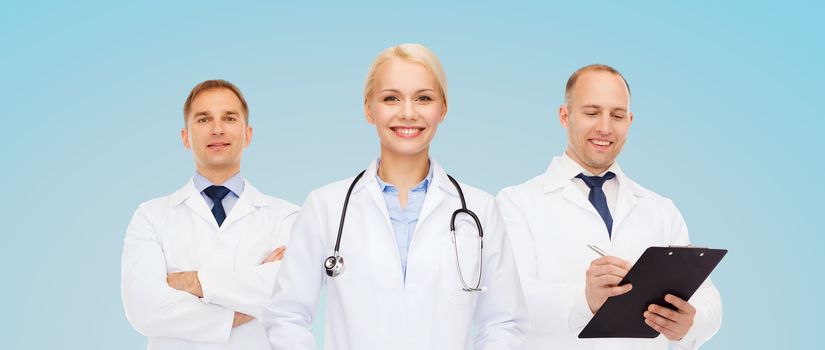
(274, 255)
(279, 252)
(666, 332)
(269, 258)
(608, 269)
(665, 312)
(610, 260)
(614, 291)
(664, 323)
(605, 281)
(680, 304)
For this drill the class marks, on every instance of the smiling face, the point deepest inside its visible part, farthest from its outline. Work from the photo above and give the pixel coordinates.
(406, 105)
(216, 131)
(597, 118)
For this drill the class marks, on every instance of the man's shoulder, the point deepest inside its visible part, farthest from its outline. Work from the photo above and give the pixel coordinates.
(531, 187)
(278, 204)
(159, 203)
(643, 193)
(269, 202)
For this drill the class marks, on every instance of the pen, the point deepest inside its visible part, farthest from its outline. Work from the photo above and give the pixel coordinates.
(596, 249)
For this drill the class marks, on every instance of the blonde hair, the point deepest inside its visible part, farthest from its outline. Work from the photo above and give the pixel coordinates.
(415, 53)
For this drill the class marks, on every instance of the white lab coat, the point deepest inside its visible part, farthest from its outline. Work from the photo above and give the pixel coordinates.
(178, 233)
(370, 306)
(550, 222)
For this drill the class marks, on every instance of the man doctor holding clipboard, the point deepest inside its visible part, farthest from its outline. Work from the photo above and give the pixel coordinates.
(585, 199)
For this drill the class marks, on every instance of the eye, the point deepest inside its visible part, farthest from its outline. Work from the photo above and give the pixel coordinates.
(591, 113)
(230, 118)
(618, 116)
(391, 99)
(202, 120)
(424, 98)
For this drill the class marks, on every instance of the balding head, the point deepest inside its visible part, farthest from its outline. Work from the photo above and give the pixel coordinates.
(574, 78)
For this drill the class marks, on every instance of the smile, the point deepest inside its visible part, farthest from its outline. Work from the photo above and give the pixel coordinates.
(218, 145)
(600, 143)
(407, 132)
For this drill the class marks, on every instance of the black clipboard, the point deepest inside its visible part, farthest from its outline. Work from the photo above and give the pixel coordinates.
(659, 271)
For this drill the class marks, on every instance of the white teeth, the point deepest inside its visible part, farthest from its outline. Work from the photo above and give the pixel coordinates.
(407, 131)
(601, 142)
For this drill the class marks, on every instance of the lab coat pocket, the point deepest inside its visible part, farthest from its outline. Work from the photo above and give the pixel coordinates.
(460, 267)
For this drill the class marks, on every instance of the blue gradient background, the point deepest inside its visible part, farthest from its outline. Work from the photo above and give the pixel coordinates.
(727, 97)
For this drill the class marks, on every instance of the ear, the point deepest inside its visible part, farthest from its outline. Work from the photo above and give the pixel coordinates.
(564, 116)
(443, 113)
(248, 137)
(368, 113)
(184, 136)
(630, 115)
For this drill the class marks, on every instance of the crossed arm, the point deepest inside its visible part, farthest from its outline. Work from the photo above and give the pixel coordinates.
(188, 282)
(196, 305)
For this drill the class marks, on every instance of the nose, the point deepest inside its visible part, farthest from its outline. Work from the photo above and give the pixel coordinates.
(603, 125)
(217, 127)
(408, 111)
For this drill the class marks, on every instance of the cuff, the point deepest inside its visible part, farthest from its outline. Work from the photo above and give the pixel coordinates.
(580, 313)
(210, 282)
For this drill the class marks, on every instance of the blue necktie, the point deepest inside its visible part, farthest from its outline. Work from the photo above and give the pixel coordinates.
(216, 193)
(597, 197)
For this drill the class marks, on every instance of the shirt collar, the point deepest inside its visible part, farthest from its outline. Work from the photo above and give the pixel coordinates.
(570, 168)
(234, 183)
(388, 187)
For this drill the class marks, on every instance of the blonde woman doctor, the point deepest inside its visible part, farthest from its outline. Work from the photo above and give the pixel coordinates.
(396, 275)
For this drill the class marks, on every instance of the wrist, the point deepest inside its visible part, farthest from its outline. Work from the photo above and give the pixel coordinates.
(197, 288)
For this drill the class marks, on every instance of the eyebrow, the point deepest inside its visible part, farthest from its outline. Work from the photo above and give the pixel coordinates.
(620, 109)
(398, 92)
(206, 113)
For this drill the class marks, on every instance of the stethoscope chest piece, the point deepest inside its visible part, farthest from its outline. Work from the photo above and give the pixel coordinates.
(334, 265)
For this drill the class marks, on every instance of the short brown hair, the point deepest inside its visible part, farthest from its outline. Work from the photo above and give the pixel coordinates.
(214, 84)
(571, 82)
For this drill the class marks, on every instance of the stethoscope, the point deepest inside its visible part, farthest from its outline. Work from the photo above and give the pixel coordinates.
(334, 264)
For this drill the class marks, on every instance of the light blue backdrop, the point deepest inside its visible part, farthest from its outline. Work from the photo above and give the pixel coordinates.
(728, 100)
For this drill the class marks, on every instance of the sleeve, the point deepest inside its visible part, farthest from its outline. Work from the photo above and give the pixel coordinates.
(247, 290)
(501, 314)
(706, 300)
(152, 307)
(288, 318)
(552, 306)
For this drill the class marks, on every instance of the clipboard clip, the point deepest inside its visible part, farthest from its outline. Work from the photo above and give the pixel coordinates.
(686, 246)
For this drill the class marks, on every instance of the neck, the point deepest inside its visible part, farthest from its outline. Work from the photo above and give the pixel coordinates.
(404, 171)
(219, 176)
(594, 171)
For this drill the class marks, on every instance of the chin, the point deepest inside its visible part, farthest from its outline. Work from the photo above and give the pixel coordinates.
(407, 151)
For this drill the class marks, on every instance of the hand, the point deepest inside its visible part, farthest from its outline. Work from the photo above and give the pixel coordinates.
(185, 281)
(602, 279)
(672, 324)
(241, 318)
(276, 255)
